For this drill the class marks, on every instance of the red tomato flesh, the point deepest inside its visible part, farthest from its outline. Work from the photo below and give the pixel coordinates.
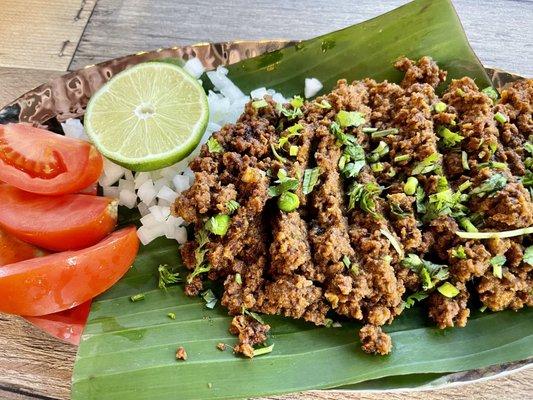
(61, 281)
(13, 250)
(66, 325)
(58, 223)
(43, 162)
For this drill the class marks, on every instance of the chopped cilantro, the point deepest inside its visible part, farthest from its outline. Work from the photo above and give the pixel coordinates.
(253, 315)
(350, 118)
(429, 272)
(166, 277)
(364, 195)
(201, 239)
(218, 224)
(428, 164)
(528, 255)
(397, 210)
(238, 278)
(448, 290)
(383, 133)
(263, 350)
(497, 263)
(324, 104)
(284, 184)
(213, 146)
(346, 261)
(440, 107)
(449, 138)
(502, 119)
(137, 297)
(310, 180)
(381, 150)
(410, 300)
(259, 104)
(491, 185)
(232, 206)
(402, 157)
(491, 92)
(459, 252)
(276, 154)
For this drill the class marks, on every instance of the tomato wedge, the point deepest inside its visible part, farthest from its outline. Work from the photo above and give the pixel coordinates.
(58, 223)
(66, 325)
(61, 281)
(43, 162)
(13, 250)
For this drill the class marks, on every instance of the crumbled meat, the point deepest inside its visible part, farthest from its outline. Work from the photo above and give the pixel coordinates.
(449, 312)
(374, 340)
(181, 354)
(330, 255)
(250, 333)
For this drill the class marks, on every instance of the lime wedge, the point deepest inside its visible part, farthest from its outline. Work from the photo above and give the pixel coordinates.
(148, 117)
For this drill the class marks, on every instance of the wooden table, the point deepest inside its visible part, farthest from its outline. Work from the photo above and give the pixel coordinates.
(41, 39)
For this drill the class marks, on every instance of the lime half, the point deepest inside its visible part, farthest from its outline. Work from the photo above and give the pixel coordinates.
(148, 117)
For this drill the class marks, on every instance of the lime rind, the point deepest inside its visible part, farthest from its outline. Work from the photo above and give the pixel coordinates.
(147, 117)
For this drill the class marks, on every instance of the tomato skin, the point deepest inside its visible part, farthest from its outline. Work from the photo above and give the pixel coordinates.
(13, 250)
(61, 281)
(58, 223)
(74, 164)
(65, 325)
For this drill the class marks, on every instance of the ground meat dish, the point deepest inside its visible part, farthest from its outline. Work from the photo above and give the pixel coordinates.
(348, 206)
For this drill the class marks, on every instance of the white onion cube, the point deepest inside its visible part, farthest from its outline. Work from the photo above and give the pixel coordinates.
(312, 87)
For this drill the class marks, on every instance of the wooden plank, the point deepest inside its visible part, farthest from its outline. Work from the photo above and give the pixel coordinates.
(42, 34)
(32, 364)
(498, 30)
(17, 81)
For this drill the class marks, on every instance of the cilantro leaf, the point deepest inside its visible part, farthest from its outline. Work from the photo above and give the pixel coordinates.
(490, 186)
(350, 118)
(310, 180)
(449, 138)
(428, 164)
(166, 277)
(213, 146)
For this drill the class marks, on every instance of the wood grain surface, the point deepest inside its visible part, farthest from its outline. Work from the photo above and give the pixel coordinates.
(41, 34)
(36, 366)
(500, 30)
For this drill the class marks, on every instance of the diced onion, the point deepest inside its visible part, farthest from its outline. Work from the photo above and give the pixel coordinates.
(194, 67)
(312, 87)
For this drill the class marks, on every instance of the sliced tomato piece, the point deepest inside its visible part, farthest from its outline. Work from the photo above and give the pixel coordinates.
(58, 223)
(43, 162)
(13, 250)
(61, 281)
(66, 325)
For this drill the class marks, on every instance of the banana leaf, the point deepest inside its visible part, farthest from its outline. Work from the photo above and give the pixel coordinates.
(128, 349)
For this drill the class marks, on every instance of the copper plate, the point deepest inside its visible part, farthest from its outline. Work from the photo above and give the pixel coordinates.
(67, 96)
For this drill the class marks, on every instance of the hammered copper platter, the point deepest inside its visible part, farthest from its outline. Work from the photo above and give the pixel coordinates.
(67, 97)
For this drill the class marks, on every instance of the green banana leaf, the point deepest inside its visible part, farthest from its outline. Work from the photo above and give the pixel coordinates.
(128, 349)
